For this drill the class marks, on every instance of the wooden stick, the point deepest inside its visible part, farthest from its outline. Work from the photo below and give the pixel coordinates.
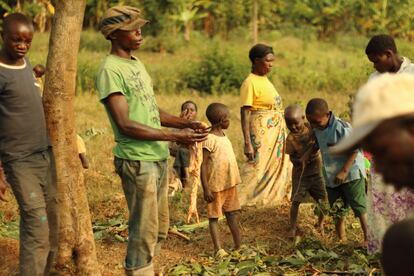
(181, 235)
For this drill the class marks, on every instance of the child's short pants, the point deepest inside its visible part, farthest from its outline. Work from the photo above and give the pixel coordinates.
(353, 195)
(312, 184)
(224, 201)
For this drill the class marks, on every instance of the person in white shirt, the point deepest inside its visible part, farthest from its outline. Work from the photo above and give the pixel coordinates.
(383, 199)
(382, 52)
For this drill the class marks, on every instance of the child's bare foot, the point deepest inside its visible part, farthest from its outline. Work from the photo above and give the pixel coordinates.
(319, 228)
(221, 253)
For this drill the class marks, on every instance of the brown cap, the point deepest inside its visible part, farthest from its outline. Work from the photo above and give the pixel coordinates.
(124, 18)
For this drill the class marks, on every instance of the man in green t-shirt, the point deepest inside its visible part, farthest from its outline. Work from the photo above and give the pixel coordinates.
(141, 153)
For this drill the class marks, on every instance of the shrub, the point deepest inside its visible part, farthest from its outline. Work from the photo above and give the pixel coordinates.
(217, 71)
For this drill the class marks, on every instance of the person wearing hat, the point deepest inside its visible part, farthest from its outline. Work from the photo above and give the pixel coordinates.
(383, 125)
(382, 51)
(141, 153)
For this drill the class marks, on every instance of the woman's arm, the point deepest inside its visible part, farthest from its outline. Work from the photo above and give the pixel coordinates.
(245, 124)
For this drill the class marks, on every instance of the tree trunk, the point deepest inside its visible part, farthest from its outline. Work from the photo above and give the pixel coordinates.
(187, 31)
(76, 242)
(254, 22)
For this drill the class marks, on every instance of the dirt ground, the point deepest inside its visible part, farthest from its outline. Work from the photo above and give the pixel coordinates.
(259, 227)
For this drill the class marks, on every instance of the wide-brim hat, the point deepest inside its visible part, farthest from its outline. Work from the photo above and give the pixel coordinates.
(385, 97)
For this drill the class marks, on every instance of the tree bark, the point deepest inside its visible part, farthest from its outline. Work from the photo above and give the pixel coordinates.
(255, 31)
(76, 242)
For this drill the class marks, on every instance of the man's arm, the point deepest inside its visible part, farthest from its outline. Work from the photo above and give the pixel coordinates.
(168, 120)
(118, 108)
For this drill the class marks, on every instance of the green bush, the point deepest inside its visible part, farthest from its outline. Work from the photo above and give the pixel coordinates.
(216, 72)
(162, 43)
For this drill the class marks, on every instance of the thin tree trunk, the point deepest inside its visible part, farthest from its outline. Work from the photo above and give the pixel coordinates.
(187, 30)
(254, 22)
(76, 242)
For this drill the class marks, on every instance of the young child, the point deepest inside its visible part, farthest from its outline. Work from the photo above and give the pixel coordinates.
(183, 152)
(344, 174)
(219, 176)
(382, 52)
(39, 71)
(187, 164)
(307, 177)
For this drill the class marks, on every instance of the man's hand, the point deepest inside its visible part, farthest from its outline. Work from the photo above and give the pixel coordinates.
(208, 196)
(3, 187)
(249, 151)
(198, 126)
(188, 136)
(340, 178)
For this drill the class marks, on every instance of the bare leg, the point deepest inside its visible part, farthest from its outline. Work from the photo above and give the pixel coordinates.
(364, 224)
(321, 219)
(294, 211)
(233, 222)
(214, 233)
(340, 229)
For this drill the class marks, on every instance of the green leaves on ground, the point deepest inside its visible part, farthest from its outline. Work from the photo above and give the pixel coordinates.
(9, 229)
(115, 228)
(309, 256)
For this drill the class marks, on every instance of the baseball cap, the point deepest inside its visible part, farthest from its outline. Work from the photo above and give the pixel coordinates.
(124, 18)
(385, 97)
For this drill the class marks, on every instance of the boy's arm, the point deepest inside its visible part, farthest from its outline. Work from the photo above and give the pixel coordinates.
(208, 196)
(340, 178)
(119, 110)
(311, 149)
(343, 131)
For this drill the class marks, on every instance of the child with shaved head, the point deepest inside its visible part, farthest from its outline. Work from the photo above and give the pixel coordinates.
(304, 154)
(219, 176)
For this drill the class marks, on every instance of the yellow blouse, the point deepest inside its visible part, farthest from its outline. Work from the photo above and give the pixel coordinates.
(259, 93)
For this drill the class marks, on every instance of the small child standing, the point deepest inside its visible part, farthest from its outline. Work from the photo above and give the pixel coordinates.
(187, 164)
(182, 153)
(304, 153)
(344, 174)
(219, 177)
(39, 70)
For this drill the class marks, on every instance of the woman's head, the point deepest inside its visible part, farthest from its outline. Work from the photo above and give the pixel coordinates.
(262, 58)
(189, 110)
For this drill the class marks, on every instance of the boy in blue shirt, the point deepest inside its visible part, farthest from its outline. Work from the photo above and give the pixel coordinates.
(345, 174)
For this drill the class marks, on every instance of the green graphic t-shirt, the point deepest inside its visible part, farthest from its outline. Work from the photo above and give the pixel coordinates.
(129, 77)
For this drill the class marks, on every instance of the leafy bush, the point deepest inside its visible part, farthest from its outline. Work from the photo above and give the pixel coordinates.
(162, 43)
(217, 71)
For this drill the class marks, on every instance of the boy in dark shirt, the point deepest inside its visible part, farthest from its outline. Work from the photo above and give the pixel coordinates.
(25, 152)
(304, 153)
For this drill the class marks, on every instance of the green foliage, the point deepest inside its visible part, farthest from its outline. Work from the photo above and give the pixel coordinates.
(216, 72)
(309, 257)
(8, 229)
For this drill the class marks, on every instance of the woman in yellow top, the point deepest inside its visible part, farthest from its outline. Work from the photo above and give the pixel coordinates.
(266, 175)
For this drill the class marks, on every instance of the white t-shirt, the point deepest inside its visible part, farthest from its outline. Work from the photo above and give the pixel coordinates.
(406, 67)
